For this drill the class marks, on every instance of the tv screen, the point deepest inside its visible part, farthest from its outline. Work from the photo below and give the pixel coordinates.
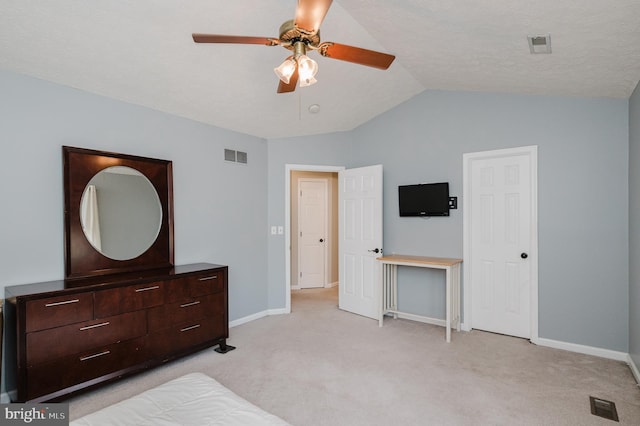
(427, 199)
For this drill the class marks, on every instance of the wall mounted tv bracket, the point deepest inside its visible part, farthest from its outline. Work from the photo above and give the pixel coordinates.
(453, 203)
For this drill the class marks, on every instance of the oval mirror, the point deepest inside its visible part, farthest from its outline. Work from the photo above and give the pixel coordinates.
(120, 213)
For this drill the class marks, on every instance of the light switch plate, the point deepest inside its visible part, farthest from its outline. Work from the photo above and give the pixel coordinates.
(273, 230)
(280, 230)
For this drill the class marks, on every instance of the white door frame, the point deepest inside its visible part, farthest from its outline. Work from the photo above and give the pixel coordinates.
(467, 159)
(287, 219)
(325, 247)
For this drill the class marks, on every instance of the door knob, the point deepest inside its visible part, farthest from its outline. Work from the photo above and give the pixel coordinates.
(375, 250)
(321, 240)
(524, 255)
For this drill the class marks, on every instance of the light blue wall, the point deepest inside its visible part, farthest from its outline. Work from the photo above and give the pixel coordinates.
(582, 196)
(219, 207)
(322, 150)
(583, 191)
(634, 226)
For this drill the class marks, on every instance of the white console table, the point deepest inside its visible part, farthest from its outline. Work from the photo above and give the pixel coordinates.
(389, 283)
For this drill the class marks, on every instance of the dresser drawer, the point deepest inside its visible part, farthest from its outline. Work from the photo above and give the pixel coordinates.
(129, 298)
(194, 286)
(68, 371)
(56, 311)
(183, 336)
(211, 305)
(67, 336)
(58, 342)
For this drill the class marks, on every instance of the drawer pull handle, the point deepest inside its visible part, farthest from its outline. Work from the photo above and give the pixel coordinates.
(138, 290)
(66, 302)
(190, 304)
(89, 327)
(190, 328)
(213, 277)
(84, 358)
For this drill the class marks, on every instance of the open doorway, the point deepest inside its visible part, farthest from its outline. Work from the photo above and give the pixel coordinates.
(359, 237)
(314, 179)
(314, 229)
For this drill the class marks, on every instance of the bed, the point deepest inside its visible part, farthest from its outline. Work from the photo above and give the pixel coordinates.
(194, 399)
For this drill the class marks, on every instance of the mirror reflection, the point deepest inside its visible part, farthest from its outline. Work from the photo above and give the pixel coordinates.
(120, 213)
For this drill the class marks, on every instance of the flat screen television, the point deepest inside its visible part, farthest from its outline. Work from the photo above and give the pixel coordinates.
(427, 199)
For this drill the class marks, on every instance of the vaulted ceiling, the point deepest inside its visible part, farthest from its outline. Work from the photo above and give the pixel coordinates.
(142, 52)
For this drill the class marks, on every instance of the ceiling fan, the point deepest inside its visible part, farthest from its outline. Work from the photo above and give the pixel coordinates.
(301, 35)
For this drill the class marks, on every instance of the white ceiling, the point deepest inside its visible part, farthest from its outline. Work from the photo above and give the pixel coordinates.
(141, 52)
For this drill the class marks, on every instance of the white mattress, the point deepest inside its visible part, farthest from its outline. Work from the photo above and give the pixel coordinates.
(194, 399)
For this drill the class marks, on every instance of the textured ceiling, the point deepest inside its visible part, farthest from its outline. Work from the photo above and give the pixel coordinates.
(142, 52)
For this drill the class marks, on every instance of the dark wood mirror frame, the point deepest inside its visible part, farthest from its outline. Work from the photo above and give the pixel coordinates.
(82, 260)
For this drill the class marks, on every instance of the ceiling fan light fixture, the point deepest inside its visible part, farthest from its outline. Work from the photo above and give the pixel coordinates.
(285, 70)
(307, 70)
(299, 35)
(304, 82)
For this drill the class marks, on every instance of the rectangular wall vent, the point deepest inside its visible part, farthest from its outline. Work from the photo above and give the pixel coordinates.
(235, 156)
(229, 155)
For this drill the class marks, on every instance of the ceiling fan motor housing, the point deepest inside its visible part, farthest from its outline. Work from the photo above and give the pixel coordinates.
(290, 34)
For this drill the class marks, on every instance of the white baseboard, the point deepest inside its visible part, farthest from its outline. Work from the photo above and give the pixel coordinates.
(327, 285)
(634, 369)
(587, 350)
(256, 316)
(249, 318)
(420, 318)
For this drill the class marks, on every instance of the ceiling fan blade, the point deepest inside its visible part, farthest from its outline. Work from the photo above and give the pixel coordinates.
(293, 81)
(218, 38)
(310, 14)
(356, 55)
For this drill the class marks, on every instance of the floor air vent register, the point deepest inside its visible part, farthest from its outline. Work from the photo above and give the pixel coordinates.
(603, 408)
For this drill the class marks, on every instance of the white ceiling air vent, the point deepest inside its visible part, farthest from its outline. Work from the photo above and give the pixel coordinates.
(539, 44)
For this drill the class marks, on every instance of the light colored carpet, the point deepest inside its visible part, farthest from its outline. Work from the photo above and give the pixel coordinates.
(322, 366)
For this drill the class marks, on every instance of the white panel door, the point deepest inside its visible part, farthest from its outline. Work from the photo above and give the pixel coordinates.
(312, 232)
(501, 233)
(360, 234)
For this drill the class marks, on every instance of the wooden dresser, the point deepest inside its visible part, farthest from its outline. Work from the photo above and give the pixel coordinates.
(64, 337)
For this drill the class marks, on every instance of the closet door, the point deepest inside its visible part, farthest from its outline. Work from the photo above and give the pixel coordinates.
(502, 256)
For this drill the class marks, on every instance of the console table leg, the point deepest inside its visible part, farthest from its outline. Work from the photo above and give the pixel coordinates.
(394, 291)
(384, 283)
(448, 303)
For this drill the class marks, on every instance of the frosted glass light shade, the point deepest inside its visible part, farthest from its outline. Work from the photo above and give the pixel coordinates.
(285, 70)
(304, 82)
(307, 69)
